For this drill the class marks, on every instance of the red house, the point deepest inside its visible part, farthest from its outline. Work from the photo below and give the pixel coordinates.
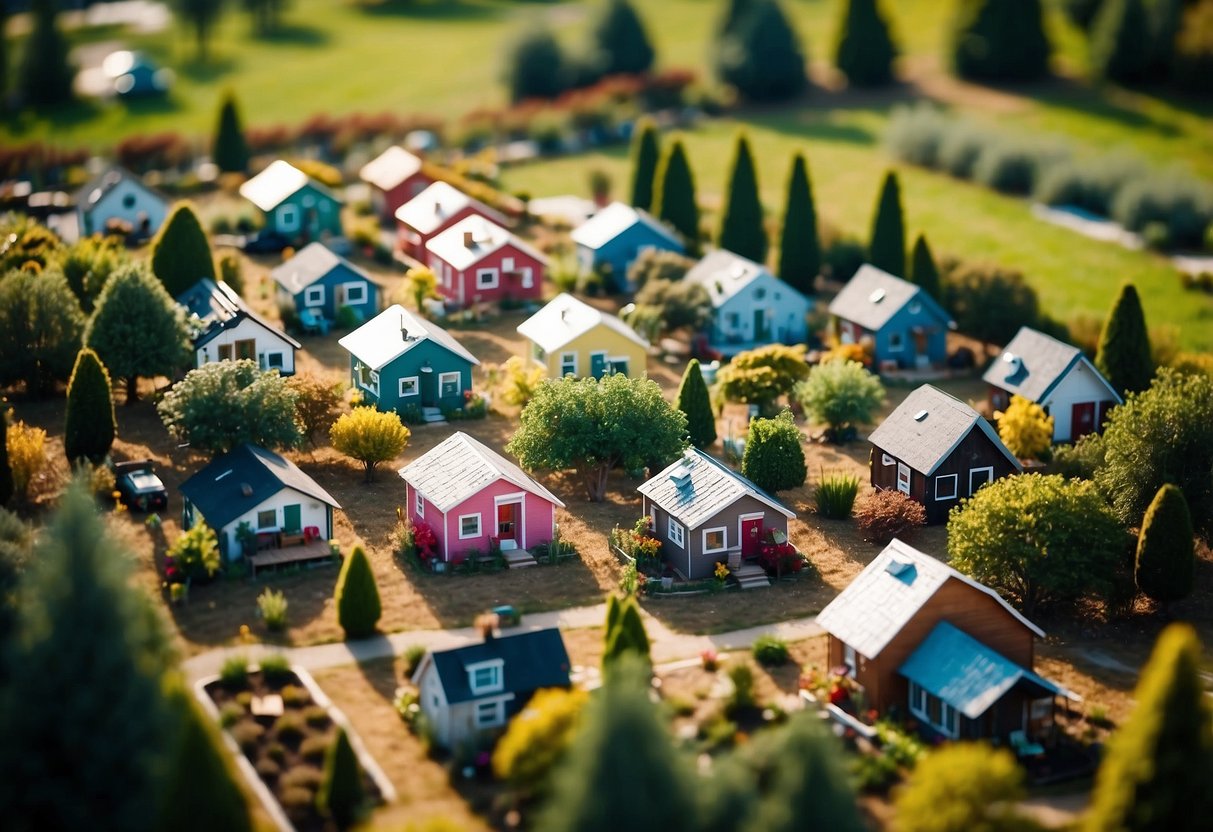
(433, 211)
(478, 261)
(395, 177)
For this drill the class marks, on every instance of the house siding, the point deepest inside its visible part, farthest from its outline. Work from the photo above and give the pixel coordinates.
(409, 365)
(458, 288)
(324, 222)
(598, 339)
(333, 283)
(313, 512)
(691, 560)
(412, 242)
(1080, 385)
(619, 252)
(265, 342)
(535, 523)
(387, 202)
(783, 309)
(903, 326)
(146, 205)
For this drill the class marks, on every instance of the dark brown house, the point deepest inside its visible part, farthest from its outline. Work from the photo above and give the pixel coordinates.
(938, 450)
(922, 638)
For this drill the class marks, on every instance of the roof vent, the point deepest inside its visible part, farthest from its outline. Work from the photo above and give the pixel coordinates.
(1014, 364)
(681, 477)
(404, 332)
(920, 416)
(564, 315)
(876, 296)
(246, 489)
(738, 272)
(896, 566)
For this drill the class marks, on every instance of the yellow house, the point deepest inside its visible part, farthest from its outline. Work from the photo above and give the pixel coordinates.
(569, 337)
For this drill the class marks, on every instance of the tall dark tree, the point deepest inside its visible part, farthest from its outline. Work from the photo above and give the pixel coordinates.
(1166, 552)
(201, 16)
(923, 272)
(40, 326)
(627, 637)
(341, 796)
(741, 228)
(357, 596)
(888, 247)
(6, 468)
(181, 253)
(1166, 22)
(1124, 345)
(865, 50)
(621, 41)
(88, 432)
(1120, 47)
(693, 400)
(46, 73)
(674, 196)
(231, 150)
(799, 243)
(999, 40)
(764, 59)
(536, 66)
(735, 14)
(646, 150)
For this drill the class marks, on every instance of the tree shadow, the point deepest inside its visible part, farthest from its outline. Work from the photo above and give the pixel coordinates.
(295, 34)
(431, 9)
(380, 672)
(150, 105)
(212, 69)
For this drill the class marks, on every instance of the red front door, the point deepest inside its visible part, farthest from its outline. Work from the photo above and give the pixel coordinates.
(507, 521)
(751, 537)
(1082, 420)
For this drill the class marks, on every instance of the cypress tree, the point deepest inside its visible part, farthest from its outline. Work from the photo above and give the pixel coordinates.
(6, 468)
(774, 456)
(741, 228)
(1123, 355)
(888, 248)
(621, 41)
(763, 58)
(231, 150)
(693, 400)
(357, 596)
(1166, 553)
(674, 196)
(1119, 50)
(181, 253)
(923, 272)
(612, 618)
(1157, 767)
(865, 50)
(89, 429)
(646, 149)
(629, 635)
(340, 796)
(735, 14)
(46, 73)
(1166, 18)
(799, 244)
(999, 40)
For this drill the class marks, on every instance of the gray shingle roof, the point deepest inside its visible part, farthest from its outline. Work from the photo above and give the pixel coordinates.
(309, 264)
(459, 467)
(565, 318)
(1033, 364)
(723, 274)
(219, 308)
(872, 297)
(105, 181)
(712, 488)
(888, 593)
(615, 219)
(530, 661)
(925, 428)
(378, 341)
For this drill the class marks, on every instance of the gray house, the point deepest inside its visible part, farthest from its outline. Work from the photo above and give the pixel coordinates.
(225, 328)
(705, 513)
(904, 325)
(118, 196)
(750, 306)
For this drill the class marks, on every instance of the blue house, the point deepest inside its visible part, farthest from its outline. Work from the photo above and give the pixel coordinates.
(902, 324)
(404, 363)
(295, 205)
(319, 280)
(610, 240)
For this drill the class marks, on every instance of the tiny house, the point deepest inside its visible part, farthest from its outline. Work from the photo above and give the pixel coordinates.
(225, 328)
(395, 176)
(295, 205)
(117, 195)
(750, 306)
(610, 240)
(478, 261)
(434, 210)
(903, 325)
(570, 337)
(319, 280)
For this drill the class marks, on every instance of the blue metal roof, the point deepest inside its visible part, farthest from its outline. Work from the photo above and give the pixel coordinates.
(967, 674)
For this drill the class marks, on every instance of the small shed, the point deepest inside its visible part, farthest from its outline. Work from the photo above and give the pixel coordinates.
(904, 326)
(611, 239)
(478, 261)
(434, 210)
(570, 337)
(395, 177)
(750, 306)
(225, 328)
(118, 196)
(295, 205)
(318, 279)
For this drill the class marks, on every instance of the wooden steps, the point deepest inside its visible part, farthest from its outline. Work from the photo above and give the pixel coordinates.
(751, 576)
(518, 558)
(432, 416)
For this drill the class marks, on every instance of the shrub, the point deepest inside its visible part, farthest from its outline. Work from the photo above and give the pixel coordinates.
(295, 696)
(316, 716)
(276, 668)
(247, 735)
(536, 66)
(412, 658)
(26, 455)
(1025, 429)
(770, 651)
(774, 456)
(369, 436)
(658, 264)
(1165, 567)
(231, 272)
(1012, 166)
(289, 727)
(302, 777)
(835, 495)
(884, 515)
(357, 596)
(314, 748)
(961, 147)
(742, 695)
(842, 394)
(88, 430)
(916, 132)
(841, 257)
(999, 40)
(1177, 200)
(538, 737)
(196, 552)
(1088, 183)
(234, 672)
(272, 606)
(521, 379)
(341, 795)
(230, 714)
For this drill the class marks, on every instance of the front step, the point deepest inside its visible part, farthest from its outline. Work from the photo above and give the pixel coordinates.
(751, 576)
(432, 416)
(518, 558)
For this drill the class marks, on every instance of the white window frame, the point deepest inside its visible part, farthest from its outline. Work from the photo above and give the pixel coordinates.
(949, 717)
(724, 540)
(313, 296)
(954, 479)
(418, 503)
(483, 720)
(476, 533)
(271, 357)
(288, 217)
(273, 525)
(487, 279)
(528, 277)
(885, 459)
(850, 658)
(507, 264)
(348, 288)
(443, 378)
(897, 341)
(988, 470)
(902, 468)
(568, 358)
(414, 382)
(676, 533)
(496, 682)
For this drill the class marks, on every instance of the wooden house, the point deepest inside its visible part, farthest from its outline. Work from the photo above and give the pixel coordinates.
(319, 280)
(902, 324)
(295, 205)
(929, 643)
(434, 210)
(395, 176)
(570, 337)
(118, 196)
(478, 261)
(223, 328)
(1056, 376)
(610, 240)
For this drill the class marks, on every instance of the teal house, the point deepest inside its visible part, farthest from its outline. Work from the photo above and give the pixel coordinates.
(319, 280)
(401, 362)
(295, 205)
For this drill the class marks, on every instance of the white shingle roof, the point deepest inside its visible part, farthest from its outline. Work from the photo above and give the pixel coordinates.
(888, 593)
(390, 168)
(267, 189)
(565, 318)
(379, 341)
(712, 488)
(487, 237)
(459, 467)
(426, 212)
(309, 264)
(612, 221)
(873, 296)
(723, 274)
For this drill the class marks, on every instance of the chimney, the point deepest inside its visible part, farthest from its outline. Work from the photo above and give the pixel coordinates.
(469, 239)
(564, 315)
(246, 489)
(486, 625)
(404, 331)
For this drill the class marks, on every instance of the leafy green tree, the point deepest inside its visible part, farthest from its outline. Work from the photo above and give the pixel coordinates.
(224, 404)
(180, 253)
(693, 400)
(1156, 771)
(865, 50)
(89, 423)
(627, 636)
(735, 13)
(594, 425)
(646, 150)
(88, 264)
(674, 195)
(999, 40)
(923, 272)
(763, 58)
(1165, 568)
(621, 41)
(538, 737)
(888, 247)
(1124, 345)
(612, 618)
(369, 436)
(799, 243)
(963, 787)
(774, 455)
(421, 284)
(46, 73)
(657, 264)
(40, 326)
(1037, 539)
(357, 596)
(762, 375)
(990, 303)
(341, 794)
(230, 149)
(536, 66)
(201, 16)
(317, 403)
(741, 227)
(666, 305)
(842, 395)
(1119, 52)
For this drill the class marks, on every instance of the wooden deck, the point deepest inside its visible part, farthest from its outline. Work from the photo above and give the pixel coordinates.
(315, 551)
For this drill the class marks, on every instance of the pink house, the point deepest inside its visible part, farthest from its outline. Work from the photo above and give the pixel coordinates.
(395, 177)
(468, 494)
(434, 210)
(478, 261)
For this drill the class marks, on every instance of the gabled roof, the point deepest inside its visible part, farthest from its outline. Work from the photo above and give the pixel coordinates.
(390, 168)
(487, 237)
(872, 297)
(888, 593)
(615, 219)
(925, 428)
(280, 180)
(723, 274)
(380, 341)
(1033, 364)
(710, 488)
(101, 184)
(244, 478)
(565, 317)
(309, 264)
(459, 467)
(967, 674)
(430, 209)
(219, 307)
(530, 661)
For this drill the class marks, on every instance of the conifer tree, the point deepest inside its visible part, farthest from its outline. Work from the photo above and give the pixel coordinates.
(741, 228)
(628, 635)
(1124, 345)
(1166, 553)
(1120, 49)
(89, 429)
(735, 14)
(799, 243)
(181, 253)
(6, 468)
(774, 456)
(621, 41)
(865, 50)
(674, 195)
(1166, 23)
(357, 596)
(341, 795)
(46, 73)
(612, 618)
(231, 150)
(1157, 767)
(999, 40)
(888, 248)
(693, 400)
(646, 149)
(923, 272)
(763, 58)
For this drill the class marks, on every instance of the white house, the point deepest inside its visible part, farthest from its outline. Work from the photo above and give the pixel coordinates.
(225, 328)
(117, 194)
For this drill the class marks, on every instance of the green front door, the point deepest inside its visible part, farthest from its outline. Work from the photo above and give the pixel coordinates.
(598, 364)
(760, 325)
(292, 519)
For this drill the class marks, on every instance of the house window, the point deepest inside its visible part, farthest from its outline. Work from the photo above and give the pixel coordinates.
(419, 504)
(918, 700)
(903, 478)
(490, 714)
(267, 519)
(568, 364)
(676, 533)
(507, 264)
(128, 201)
(734, 320)
(715, 540)
(288, 218)
(275, 360)
(897, 342)
(246, 349)
(979, 477)
(225, 352)
(449, 384)
(313, 296)
(485, 678)
(915, 307)
(528, 277)
(848, 658)
(540, 354)
(486, 278)
(945, 486)
(760, 294)
(355, 292)
(409, 386)
(885, 459)
(469, 526)
(934, 711)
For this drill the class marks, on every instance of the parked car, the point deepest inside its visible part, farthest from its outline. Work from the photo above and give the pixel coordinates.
(138, 485)
(266, 242)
